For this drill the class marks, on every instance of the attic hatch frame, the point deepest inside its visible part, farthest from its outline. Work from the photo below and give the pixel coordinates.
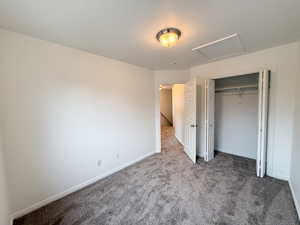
(219, 41)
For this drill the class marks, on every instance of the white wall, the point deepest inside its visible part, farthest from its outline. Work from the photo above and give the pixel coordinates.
(166, 103)
(65, 109)
(171, 76)
(178, 111)
(4, 205)
(282, 61)
(295, 165)
(236, 123)
(165, 77)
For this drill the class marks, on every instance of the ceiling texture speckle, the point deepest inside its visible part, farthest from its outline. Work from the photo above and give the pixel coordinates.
(125, 29)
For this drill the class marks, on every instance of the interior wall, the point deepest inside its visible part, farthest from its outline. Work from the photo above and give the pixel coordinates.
(236, 123)
(68, 117)
(165, 77)
(4, 204)
(166, 104)
(282, 61)
(295, 166)
(178, 111)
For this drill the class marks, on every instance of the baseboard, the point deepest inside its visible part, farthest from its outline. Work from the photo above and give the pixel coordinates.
(181, 142)
(297, 204)
(234, 154)
(75, 188)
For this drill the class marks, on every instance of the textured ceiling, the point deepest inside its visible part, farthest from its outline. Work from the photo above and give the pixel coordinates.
(126, 29)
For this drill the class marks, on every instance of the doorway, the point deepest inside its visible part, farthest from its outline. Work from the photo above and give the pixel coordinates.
(171, 116)
(166, 117)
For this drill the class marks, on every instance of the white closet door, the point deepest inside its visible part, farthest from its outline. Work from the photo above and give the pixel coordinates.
(190, 119)
(209, 110)
(263, 103)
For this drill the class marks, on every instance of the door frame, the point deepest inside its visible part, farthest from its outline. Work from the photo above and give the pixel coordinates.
(209, 119)
(157, 113)
(265, 158)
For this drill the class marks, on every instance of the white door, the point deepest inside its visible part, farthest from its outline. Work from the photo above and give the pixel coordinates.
(263, 103)
(190, 119)
(209, 123)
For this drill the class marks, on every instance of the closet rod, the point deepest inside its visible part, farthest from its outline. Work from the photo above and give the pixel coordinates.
(236, 88)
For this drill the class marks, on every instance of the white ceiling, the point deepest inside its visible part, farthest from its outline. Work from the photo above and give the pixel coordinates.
(126, 29)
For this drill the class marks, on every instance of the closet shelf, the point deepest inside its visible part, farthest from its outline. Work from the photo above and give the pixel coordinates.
(236, 88)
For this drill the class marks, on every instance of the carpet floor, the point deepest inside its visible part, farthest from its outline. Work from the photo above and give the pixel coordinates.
(168, 189)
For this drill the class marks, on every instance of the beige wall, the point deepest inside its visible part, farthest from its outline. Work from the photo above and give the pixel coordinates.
(166, 104)
(178, 111)
(65, 109)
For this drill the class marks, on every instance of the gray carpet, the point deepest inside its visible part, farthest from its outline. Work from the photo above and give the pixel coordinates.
(168, 189)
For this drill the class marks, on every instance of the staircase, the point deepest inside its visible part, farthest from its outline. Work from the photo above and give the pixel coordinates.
(164, 121)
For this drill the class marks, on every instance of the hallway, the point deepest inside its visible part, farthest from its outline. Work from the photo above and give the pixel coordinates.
(168, 189)
(169, 141)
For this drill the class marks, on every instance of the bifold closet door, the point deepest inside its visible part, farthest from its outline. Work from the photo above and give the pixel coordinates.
(190, 91)
(263, 103)
(209, 123)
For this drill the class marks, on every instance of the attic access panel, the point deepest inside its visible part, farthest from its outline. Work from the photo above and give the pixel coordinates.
(222, 48)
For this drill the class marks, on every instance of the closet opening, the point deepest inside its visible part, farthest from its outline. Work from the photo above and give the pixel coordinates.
(233, 118)
(236, 116)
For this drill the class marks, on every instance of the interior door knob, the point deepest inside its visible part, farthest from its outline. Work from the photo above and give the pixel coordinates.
(193, 125)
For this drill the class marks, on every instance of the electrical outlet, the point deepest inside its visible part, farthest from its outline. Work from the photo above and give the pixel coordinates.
(99, 163)
(117, 155)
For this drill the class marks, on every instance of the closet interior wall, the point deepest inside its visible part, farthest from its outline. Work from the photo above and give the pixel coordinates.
(236, 115)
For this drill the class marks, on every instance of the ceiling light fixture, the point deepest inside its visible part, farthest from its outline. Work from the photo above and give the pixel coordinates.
(168, 37)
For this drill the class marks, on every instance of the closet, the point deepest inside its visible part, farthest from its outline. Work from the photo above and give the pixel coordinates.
(236, 115)
(232, 116)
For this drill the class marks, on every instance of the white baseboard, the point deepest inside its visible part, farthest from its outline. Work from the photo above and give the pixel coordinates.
(181, 142)
(280, 176)
(297, 204)
(75, 188)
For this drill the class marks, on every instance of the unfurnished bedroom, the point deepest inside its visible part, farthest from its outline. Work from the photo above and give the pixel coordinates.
(149, 112)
